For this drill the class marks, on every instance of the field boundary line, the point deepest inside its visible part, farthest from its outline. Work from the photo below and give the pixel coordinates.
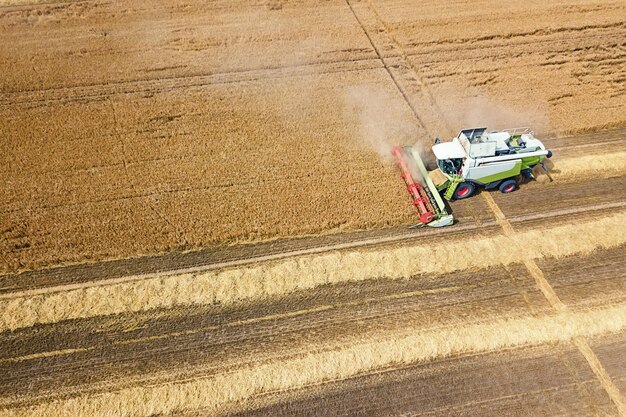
(373, 242)
(386, 66)
(550, 294)
(405, 58)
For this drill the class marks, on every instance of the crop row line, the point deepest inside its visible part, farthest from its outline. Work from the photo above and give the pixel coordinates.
(446, 47)
(187, 81)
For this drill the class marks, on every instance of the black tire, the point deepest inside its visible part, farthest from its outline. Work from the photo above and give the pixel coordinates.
(464, 190)
(508, 186)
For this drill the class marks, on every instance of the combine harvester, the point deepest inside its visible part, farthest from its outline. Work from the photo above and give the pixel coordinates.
(472, 159)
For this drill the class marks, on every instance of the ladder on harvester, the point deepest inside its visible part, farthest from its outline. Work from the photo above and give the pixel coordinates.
(454, 182)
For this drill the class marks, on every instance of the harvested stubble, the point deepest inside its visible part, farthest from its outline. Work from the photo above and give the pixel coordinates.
(602, 165)
(216, 392)
(286, 276)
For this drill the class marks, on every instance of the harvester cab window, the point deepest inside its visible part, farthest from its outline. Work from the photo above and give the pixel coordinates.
(450, 166)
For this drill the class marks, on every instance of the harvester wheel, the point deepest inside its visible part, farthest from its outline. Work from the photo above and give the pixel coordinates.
(464, 190)
(508, 186)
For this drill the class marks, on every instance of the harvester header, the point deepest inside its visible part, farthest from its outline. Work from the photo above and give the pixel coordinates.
(426, 199)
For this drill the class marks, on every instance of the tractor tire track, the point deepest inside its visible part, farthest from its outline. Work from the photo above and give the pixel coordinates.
(546, 289)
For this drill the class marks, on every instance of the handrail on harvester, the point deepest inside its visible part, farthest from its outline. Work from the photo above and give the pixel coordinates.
(518, 130)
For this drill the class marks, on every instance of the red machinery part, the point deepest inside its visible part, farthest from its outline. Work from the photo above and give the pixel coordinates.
(420, 200)
(427, 217)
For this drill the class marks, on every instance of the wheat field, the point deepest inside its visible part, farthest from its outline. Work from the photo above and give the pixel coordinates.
(194, 137)
(200, 214)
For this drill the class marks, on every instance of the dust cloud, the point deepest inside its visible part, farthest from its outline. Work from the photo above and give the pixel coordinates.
(379, 118)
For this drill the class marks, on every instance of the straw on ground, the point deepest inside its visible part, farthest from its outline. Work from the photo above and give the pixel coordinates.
(214, 393)
(282, 277)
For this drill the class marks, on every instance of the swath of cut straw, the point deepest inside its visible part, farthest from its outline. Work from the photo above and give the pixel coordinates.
(282, 277)
(214, 393)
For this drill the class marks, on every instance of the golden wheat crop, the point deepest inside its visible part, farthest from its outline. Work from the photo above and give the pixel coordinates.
(275, 133)
(602, 166)
(213, 393)
(305, 272)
